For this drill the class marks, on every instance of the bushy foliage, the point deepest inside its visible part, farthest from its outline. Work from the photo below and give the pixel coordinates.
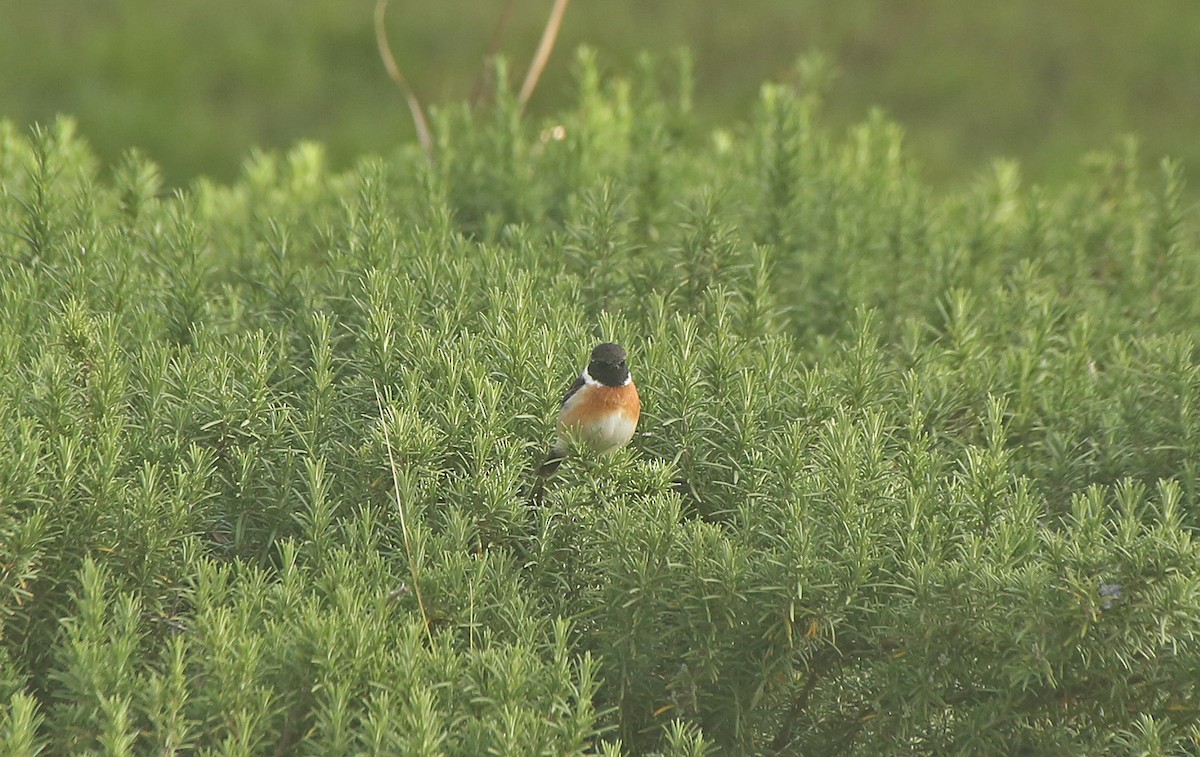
(916, 472)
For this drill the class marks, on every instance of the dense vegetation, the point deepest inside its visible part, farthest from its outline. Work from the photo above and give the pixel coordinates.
(199, 83)
(917, 471)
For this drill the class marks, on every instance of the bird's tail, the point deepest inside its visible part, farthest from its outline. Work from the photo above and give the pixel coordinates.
(551, 463)
(544, 472)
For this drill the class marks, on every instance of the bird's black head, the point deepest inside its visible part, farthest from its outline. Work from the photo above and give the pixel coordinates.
(608, 365)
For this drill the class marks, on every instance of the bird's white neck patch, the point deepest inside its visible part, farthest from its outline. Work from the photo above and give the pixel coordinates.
(587, 379)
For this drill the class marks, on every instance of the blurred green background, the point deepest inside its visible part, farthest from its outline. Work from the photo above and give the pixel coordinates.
(197, 83)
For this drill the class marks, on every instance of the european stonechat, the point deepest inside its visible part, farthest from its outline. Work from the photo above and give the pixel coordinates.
(600, 410)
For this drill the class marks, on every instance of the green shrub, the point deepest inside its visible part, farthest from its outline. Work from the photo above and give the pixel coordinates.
(916, 472)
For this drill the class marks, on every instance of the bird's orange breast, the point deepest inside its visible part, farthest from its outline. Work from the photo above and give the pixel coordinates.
(604, 417)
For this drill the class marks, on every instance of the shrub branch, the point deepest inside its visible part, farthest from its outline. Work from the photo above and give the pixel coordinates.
(384, 417)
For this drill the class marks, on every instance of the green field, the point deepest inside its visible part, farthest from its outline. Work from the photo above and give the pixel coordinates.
(197, 84)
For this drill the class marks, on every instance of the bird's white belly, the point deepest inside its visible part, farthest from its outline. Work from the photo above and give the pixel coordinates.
(608, 432)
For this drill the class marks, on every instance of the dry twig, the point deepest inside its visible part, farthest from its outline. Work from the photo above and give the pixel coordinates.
(484, 81)
(545, 46)
(389, 62)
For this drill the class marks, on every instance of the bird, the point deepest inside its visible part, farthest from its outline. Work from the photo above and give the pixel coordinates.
(599, 411)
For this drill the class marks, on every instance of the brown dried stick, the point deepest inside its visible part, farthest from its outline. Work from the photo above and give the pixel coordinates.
(389, 62)
(483, 82)
(545, 46)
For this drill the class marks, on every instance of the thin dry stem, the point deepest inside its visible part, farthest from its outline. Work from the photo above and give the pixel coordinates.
(484, 81)
(424, 136)
(545, 46)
